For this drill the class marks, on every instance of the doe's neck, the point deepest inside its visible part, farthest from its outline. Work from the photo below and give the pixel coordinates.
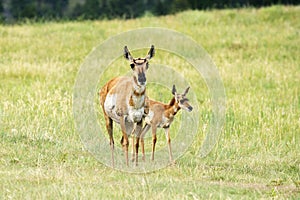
(138, 89)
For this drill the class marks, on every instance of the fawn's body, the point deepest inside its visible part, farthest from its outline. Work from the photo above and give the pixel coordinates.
(161, 116)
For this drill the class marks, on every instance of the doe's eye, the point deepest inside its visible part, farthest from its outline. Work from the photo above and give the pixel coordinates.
(132, 65)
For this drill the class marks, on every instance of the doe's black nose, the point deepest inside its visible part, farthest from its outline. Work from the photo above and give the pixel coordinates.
(142, 78)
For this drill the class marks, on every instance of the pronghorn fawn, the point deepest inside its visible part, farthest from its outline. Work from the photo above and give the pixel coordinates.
(161, 116)
(123, 101)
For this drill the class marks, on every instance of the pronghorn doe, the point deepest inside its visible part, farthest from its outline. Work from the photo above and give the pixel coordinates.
(161, 116)
(123, 101)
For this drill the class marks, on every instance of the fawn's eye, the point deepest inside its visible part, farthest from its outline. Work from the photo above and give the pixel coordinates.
(181, 101)
(132, 65)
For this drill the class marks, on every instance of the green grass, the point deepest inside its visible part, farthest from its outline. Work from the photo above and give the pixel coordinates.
(257, 156)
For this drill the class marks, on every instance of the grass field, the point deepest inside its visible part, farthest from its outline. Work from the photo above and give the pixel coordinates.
(257, 156)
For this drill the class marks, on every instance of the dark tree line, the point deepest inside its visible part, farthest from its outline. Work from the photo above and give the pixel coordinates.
(18, 10)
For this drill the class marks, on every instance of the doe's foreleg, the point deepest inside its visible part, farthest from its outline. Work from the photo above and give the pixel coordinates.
(125, 141)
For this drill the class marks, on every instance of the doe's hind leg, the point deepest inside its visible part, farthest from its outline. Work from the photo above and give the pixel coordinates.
(109, 127)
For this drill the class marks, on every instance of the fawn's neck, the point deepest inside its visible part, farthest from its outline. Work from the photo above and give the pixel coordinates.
(172, 108)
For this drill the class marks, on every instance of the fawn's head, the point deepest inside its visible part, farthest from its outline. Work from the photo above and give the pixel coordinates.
(139, 66)
(181, 99)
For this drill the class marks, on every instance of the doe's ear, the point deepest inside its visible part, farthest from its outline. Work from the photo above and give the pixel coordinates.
(174, 90)
(151, 53)
(127, 54)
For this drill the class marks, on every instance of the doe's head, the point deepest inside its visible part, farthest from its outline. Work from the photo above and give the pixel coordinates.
(181, 99)
(139, 66)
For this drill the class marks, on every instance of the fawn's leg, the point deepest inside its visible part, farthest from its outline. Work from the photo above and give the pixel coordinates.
(167, 132)
(142, 135)
(153, 141)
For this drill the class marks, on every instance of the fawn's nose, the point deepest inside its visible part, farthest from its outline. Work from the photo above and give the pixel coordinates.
(190, 108)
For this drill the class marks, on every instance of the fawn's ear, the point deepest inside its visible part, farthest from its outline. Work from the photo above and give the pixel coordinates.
(127, 54)
(151, 53)
(174, 90)
(186, 91)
